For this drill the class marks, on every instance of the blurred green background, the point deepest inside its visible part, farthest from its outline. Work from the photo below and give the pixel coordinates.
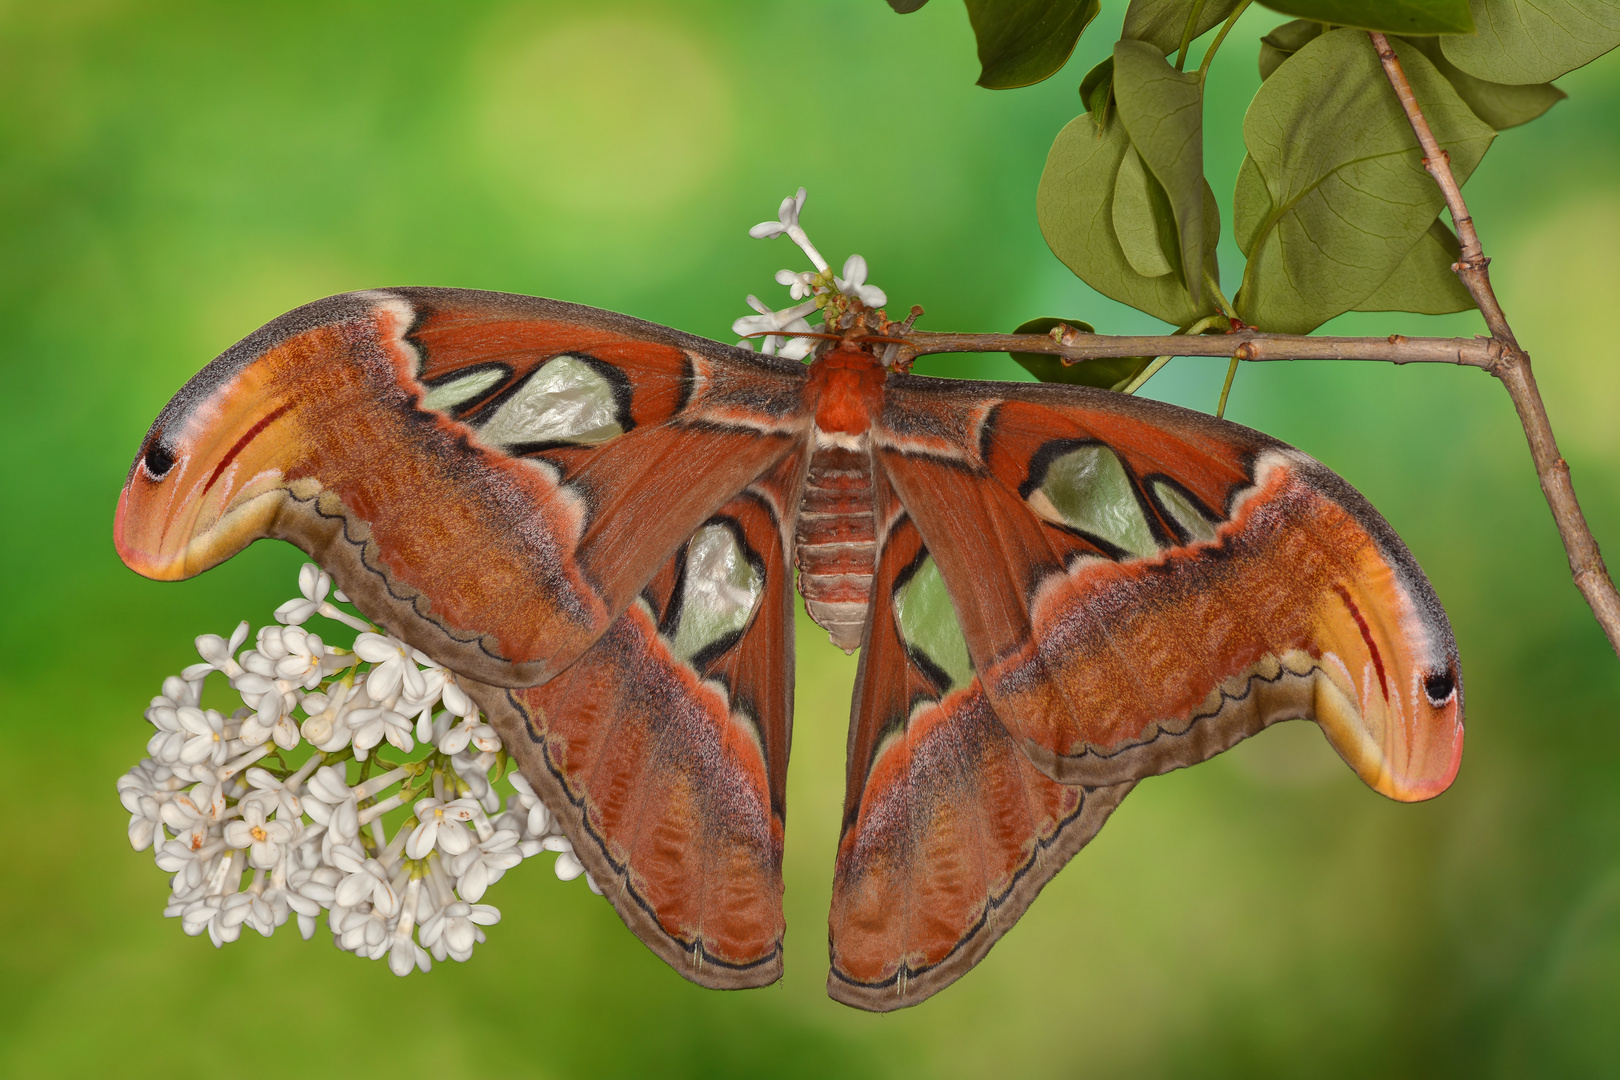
(174, 174)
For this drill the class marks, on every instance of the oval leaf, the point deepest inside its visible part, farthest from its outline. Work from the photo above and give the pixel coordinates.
(1163, 112)
(1501, 105)
(906, 7)
(1075, 207)
(1251, 206)
(1097, 90)
(1140, 219)
(1024, 41)
(1344, 183)
(1521, 42)
(1285, 41)
(1161, 23)
(1390, 16)
(1109, 373)
(1424, 282)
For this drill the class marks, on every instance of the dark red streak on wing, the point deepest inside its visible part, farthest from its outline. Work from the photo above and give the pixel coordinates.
(242, 444)
(1366, 635)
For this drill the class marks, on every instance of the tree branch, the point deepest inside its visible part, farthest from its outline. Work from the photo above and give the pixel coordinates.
(1244, 345)
(1513, 368)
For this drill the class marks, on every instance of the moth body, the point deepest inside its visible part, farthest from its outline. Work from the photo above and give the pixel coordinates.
(836, 541)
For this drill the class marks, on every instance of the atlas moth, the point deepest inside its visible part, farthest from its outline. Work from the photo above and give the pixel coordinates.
(594, 521)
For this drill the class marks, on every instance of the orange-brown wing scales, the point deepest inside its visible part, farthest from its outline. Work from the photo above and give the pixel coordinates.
(1260, 587)
(416, 443)
(949, 830)
(669, 773)
(664, 794)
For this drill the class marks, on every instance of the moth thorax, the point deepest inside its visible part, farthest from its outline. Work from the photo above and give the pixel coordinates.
(837, 544)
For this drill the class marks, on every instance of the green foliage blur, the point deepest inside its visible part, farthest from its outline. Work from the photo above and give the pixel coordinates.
(173, 175)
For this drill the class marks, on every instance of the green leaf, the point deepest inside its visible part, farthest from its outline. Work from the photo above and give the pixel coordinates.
(1075, 207)
(1285, 41)
(1109, 373)
(1501, 105)
(906, 7)
(1424, 282)
(1097, 89)
(1143, 221)
(1024, 41)
(1163, 113)
(1390, 16)
(1162, 22)
(1251, 206)
(1522, 42)
(1348, 197)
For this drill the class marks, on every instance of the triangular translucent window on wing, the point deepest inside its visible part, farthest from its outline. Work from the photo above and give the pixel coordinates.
(566, 401)
(1187, 515)
(928, 624)
(1088, 489)
(719, 593)
(447, 396)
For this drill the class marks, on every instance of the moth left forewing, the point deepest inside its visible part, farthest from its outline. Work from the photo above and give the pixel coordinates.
(478, 471)
(663, 750)
(949, 831)
(1172, 584)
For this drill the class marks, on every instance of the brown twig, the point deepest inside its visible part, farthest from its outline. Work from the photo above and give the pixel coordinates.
(1513, 368)
(1244, 345)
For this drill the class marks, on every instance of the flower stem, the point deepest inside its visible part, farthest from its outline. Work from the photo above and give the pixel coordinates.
(1187, 34)
(1226, 28)
(1226, 388)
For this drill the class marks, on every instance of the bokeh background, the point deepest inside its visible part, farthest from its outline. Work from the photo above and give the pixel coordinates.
(173, 174)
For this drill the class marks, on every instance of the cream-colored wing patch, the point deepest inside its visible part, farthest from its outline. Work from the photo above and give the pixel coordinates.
(446, 396)
(928, 624)
(1181, 508)
(566, 401)
(719, 593)
(1088, 489)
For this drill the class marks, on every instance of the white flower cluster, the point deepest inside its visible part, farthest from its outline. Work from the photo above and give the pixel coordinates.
(252, 838)
(822, 288)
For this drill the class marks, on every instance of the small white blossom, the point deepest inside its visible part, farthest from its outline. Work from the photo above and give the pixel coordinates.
(313, 584)
(537, 819)
(394, 668)
(140, 797)
(328, 727)
(801, 284)
(787, 221)
(453, 931)
(472, 730)
(329, 801)
(441, 827)
(403, 951)
(272, 702)
(474, 775)
(205, 736)
(482, 865)
(299, 656)
(274, 795)
(262, 837)
(853, 283)
(374, 724)
(216, 655)
(568, 866)
(368, 883)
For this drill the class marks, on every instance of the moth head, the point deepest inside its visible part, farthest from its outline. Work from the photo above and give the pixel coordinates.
(210, 476)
